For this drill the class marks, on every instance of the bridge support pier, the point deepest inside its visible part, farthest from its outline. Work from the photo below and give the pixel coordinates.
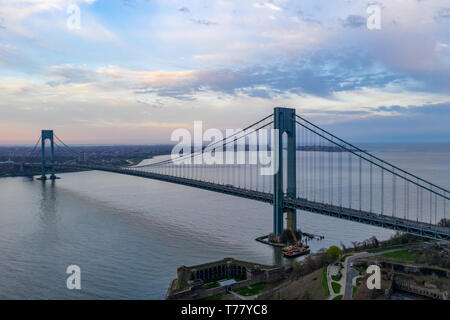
(47, 135)
(284, 122)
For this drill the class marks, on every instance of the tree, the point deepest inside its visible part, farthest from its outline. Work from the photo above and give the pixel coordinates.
(444, 223)
(374, 242)
(333, 253)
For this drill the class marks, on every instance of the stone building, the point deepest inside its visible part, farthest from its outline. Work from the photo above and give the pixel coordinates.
(190, 281)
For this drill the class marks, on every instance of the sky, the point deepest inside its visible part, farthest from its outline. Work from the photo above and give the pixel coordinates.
(132, 71)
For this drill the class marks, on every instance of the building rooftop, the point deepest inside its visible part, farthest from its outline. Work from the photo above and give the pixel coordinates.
(227, 282)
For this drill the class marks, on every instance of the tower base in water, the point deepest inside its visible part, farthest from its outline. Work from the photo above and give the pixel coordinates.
(44, 178)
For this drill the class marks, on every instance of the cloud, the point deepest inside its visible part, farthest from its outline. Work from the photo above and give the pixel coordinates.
(442, 109)
(11, 58)
(204, 22)
(442, 13)
(97, 105)
(267, 5)
(308, 18)
(329, 75)
(161, 60)
(68, 74)
(20, 10)
(354, 21)
(184, 10)
(30, 19)
(423, 123)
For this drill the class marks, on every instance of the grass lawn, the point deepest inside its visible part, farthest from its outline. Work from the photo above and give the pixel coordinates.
(325, 282)
(336, 287)
(338, 297)
(402, 255)
(211, 285)
(381, 249)
(337, 277)
(354, 290)
(376, 250)
(358, 281)
(251, 290)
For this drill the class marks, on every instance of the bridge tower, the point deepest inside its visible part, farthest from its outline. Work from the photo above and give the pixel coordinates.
(47, 135)
(284, 121)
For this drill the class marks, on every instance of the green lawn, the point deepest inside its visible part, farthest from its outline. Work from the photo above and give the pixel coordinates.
(402, 255)
(338, 297)
(354, 290)
(211, 285)
(325, 282)
(337, 277)
(336, 287)
(381, 249)
(358, 281)
(251, 290)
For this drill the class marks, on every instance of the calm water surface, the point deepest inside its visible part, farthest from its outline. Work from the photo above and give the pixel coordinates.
(129, 235)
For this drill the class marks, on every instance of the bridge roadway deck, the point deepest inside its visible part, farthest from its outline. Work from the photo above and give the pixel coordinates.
(389, 222)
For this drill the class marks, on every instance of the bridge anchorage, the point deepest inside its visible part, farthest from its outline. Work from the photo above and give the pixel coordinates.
(316, 172)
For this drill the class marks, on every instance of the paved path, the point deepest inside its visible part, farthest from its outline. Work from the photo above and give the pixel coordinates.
(331, 271)
(334, 270)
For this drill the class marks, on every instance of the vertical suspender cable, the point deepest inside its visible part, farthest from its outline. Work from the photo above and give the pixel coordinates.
(382, 190)
(371, 188)
(360, 184)
(350, 180)
(417, 209)
(431, 204)
(340, 178)
(330, 174)
(394, 194)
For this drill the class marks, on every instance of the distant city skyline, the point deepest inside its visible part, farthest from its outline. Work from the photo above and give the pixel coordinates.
(133, 71)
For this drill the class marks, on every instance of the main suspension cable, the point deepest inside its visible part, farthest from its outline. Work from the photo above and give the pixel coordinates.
(192, 155)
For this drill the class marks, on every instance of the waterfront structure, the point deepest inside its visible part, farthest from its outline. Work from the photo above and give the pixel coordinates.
(220, 277)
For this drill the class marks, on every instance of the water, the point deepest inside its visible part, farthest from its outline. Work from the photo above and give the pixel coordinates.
(129, 235)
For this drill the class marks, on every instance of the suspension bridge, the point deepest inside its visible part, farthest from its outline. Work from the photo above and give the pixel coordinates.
(315, 171)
